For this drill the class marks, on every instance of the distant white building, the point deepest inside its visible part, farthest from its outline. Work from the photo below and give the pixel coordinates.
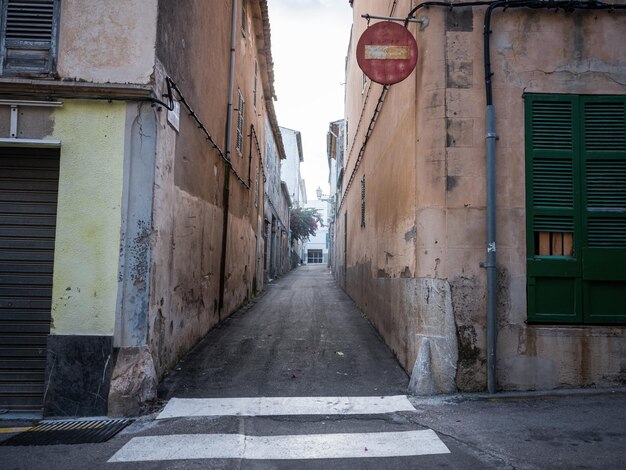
(335, 152)
(291, 177)
(290, 167)
(315, 250)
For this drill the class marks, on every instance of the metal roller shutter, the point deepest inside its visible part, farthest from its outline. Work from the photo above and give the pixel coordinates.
(29, 180)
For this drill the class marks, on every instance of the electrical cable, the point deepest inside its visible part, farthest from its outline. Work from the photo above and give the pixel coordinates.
(172, 86)
(368, 133)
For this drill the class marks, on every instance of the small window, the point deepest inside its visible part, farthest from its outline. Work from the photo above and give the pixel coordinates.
(554, 244)
(256, 73)
(363, 202)
(315, 257)
(244, 17)
(256, 186)
(28, 32)
(240, 119)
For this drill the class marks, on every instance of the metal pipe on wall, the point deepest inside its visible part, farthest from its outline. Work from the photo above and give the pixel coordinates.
(227, 151)
(490, 265)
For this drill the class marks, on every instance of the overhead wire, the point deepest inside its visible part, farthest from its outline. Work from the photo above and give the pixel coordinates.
(172, 86)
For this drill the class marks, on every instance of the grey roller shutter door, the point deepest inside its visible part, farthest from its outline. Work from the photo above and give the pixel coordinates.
(29, 180)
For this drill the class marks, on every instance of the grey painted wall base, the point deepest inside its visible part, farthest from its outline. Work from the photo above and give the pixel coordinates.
(133, 382)
(415, 317)
(78, 372)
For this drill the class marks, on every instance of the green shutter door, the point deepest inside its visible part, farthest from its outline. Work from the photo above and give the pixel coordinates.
(554, 275)
(576, 208)
(603, 168)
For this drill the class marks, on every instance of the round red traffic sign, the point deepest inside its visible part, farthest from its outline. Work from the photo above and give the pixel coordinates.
(387, 52)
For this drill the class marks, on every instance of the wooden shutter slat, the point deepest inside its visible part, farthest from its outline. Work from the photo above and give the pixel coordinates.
(29, 37)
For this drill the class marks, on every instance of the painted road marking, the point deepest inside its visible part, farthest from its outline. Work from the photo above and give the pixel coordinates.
(14, 430)
(297, 447)
(266, 406)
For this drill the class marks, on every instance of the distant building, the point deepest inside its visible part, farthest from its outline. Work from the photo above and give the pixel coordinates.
(335, 152)
(316, 249)
(290, 167)
(291, 175)
(277, 204)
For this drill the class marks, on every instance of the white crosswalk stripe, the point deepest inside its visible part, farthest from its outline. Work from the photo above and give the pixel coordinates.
(308, 446)
(281, 406)
(281, 447)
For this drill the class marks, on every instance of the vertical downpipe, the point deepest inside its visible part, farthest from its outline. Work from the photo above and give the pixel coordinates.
(227, 147)
(490, 265)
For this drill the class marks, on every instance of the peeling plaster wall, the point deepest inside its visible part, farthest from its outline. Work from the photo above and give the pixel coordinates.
(189, 196)
(582, 58)
(442, 148)
(89, 216)
(380, 258)
(105, 42)
(86, 259)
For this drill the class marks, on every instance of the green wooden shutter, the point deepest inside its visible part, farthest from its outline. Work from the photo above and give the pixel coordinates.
(554, 281)
(604, 209)
(576, 187)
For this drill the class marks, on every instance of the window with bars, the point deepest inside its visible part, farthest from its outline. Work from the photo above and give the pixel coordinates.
(256, 79)
(244, 17)
(576, 208)
(363, 202)
(315, 256)
(256, 184)
(28, 37)
(240, 122)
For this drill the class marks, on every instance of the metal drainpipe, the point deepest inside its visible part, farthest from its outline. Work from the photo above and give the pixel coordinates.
(227, 148)
(490, 264)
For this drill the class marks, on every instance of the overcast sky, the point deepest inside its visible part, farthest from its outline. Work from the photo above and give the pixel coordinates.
(309, 45)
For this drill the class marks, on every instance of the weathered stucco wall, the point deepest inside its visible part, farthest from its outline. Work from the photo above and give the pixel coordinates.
(189, 198)
(89, 215)
(392, 257)
(186, 249)
(540, 52)
(107, 41)
(442, 150)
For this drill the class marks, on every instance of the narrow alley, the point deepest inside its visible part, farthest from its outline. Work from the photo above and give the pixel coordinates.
(299, 375)
(303, 336)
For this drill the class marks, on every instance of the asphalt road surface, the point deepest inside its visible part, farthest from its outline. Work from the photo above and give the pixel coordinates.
(298, 379)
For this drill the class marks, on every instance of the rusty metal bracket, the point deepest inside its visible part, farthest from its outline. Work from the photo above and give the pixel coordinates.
(369, 17)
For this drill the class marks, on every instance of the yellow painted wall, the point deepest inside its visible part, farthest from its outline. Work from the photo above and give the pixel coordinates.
(87, 246)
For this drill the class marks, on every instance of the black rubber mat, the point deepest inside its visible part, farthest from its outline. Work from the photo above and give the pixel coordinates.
(68, 432)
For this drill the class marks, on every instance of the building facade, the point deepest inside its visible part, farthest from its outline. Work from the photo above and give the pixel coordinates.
(335, 152)
(277, 205)
(291, 175)
(316, 248)
(505, 276)
(131, 191)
